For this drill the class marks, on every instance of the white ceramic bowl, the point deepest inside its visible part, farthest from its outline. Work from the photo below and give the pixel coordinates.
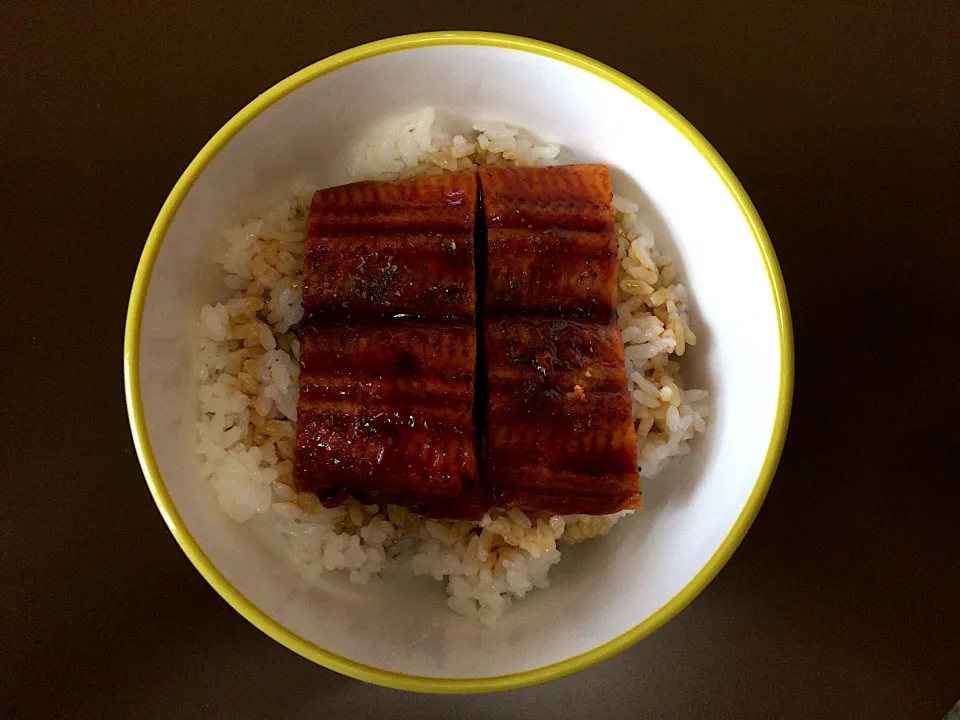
(605, 594)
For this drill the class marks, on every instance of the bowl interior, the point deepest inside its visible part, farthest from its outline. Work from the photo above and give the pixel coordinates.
(600, 589)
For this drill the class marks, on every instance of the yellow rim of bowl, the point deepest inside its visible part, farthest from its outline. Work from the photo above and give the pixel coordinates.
(131, 351)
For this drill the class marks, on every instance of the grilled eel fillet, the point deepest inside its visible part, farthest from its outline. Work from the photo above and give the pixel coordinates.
(386, 403)
(560, 420)
(380, 249)
(551, 243)
(386, 415)
(560, 432)
(388, 356)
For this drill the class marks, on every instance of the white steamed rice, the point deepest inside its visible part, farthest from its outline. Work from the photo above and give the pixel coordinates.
(248, 364)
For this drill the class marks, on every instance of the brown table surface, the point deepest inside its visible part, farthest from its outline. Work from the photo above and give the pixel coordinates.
(841, 119)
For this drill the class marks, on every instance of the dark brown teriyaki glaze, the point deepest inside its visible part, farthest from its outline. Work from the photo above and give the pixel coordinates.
(386, 248)
(386, 413)
(413, 393)
(552, 247)
(560, 422)
(388, 354)
(560, 433)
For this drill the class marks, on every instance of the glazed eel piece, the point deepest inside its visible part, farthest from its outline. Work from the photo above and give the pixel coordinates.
(380, 249)
(560, 432)
(386, 415)
(388, 353)
(387, 404)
